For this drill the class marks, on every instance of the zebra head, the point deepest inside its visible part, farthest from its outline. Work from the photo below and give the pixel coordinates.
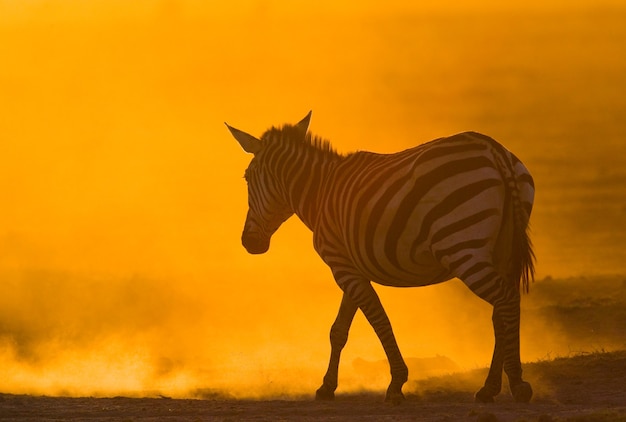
(268, 205)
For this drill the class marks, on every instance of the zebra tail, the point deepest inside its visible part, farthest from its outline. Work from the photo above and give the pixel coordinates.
(523, 265)
(523, 258)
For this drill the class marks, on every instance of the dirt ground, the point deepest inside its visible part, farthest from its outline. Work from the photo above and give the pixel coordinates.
(587, 387)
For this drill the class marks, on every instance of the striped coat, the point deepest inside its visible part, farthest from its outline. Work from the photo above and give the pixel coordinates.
(454, 207)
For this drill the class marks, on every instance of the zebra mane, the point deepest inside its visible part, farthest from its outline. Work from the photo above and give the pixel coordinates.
(320, 144)
(290, 135)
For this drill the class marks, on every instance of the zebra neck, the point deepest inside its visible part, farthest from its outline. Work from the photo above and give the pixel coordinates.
(306, 186)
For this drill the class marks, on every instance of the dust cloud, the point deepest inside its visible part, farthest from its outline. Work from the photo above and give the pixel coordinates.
(82, 335)
(123, 199)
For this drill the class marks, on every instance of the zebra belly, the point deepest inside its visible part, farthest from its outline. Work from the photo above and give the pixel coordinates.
(423, 271)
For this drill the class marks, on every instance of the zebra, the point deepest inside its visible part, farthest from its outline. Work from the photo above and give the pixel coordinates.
(457, 206)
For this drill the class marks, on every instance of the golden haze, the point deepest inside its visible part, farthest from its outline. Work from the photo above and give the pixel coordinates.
(123, 198)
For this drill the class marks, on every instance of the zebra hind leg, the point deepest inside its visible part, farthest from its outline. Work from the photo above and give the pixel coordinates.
(521, 390)
(493, 383)
(505, 299)
(506, 354)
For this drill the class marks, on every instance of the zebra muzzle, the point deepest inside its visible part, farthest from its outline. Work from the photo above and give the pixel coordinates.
(255, 243)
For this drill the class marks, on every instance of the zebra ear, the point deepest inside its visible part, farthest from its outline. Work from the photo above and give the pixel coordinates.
(248, 142)
(303, 125)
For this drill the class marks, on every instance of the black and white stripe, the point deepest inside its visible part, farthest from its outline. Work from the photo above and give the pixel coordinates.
(454, 207)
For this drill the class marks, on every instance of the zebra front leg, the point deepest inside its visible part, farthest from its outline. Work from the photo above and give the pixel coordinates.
(338, 338)
(364, 296)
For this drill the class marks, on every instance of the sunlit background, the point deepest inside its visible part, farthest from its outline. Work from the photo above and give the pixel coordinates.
(122, 198)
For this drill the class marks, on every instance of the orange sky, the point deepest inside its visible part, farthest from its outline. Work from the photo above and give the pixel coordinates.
(113, 148)
(115, 165)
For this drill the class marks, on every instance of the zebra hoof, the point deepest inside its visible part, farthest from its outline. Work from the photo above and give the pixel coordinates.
(522, 392)
(394, 397)
(324, 394)
(483, 396)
